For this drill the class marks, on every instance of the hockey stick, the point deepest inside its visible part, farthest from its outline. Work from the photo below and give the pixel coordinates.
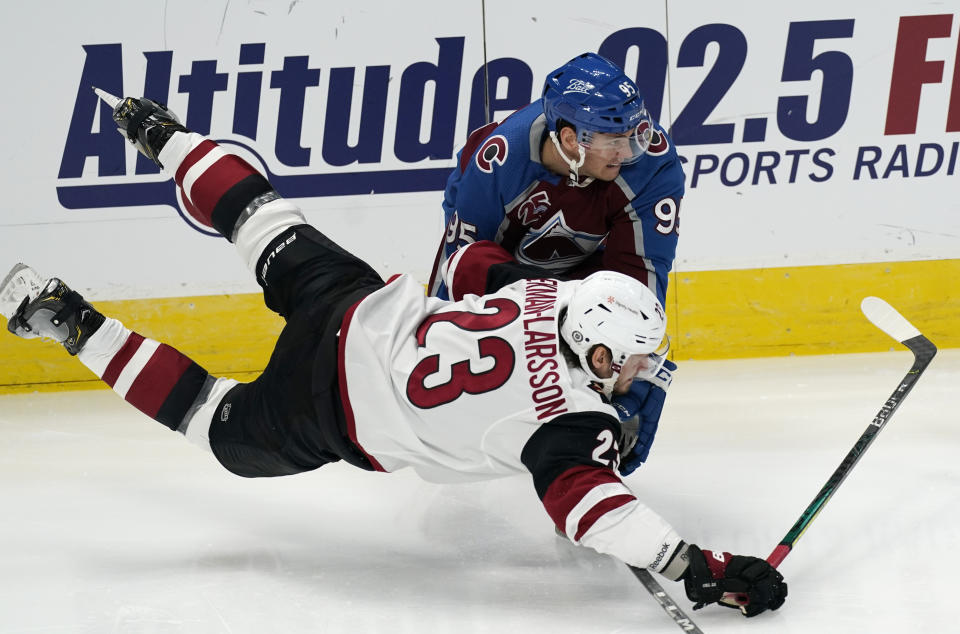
(679, 617)
(887, 319)
(894, 324)
(884, 317)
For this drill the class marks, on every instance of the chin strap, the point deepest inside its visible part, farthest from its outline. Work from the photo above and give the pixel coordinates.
(574, 177)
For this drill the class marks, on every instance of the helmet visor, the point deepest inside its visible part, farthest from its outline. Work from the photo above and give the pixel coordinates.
(621, 147)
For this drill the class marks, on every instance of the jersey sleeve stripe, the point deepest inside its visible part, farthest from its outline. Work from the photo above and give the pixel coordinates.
(581, 495)
(116, 364)
(597, 515)
(149, 390)
(216, 185)
(186, 150)
(212, 184)
(155, 378)
(135, 366)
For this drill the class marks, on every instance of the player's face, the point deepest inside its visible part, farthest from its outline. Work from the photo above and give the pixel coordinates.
(636, 365)
(641, 366)
(602, 160)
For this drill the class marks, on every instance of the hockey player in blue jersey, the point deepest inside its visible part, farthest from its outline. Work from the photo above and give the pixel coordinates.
(581, 180)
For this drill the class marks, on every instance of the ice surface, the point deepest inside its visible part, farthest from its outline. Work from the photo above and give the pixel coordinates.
(111, 523)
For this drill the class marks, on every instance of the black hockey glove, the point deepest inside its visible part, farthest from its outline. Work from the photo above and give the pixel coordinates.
(712, 574)
(147, 124)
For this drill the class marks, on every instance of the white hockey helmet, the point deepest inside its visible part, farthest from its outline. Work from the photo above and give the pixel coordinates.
(619, 312)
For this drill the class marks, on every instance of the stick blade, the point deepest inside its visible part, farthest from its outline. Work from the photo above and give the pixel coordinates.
(886, 318)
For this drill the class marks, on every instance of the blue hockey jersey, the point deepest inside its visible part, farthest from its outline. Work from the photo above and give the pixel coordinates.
(502, 191)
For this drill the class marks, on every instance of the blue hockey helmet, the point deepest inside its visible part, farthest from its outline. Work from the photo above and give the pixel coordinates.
(594, 95)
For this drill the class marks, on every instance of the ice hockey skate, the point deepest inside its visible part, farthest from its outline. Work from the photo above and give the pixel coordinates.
(50, 310)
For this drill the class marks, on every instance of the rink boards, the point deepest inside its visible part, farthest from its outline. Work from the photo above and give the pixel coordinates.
(711, 315)
(820, 142)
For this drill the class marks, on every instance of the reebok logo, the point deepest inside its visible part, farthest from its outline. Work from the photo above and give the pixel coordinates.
(660, 556)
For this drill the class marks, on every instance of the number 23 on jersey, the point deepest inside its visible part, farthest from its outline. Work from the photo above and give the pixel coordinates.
(462, 378)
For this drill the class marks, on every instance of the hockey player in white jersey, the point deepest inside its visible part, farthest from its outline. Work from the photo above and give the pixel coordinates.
(383, 377)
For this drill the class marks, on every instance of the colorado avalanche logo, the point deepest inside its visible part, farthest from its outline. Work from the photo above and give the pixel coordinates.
(493, 150)
(658, 142)
(555, 246)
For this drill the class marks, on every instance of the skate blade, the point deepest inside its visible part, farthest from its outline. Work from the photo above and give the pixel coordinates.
(20, 282)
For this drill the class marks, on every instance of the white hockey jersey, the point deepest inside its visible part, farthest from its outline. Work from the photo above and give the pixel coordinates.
(455, 390)
(479, 389)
